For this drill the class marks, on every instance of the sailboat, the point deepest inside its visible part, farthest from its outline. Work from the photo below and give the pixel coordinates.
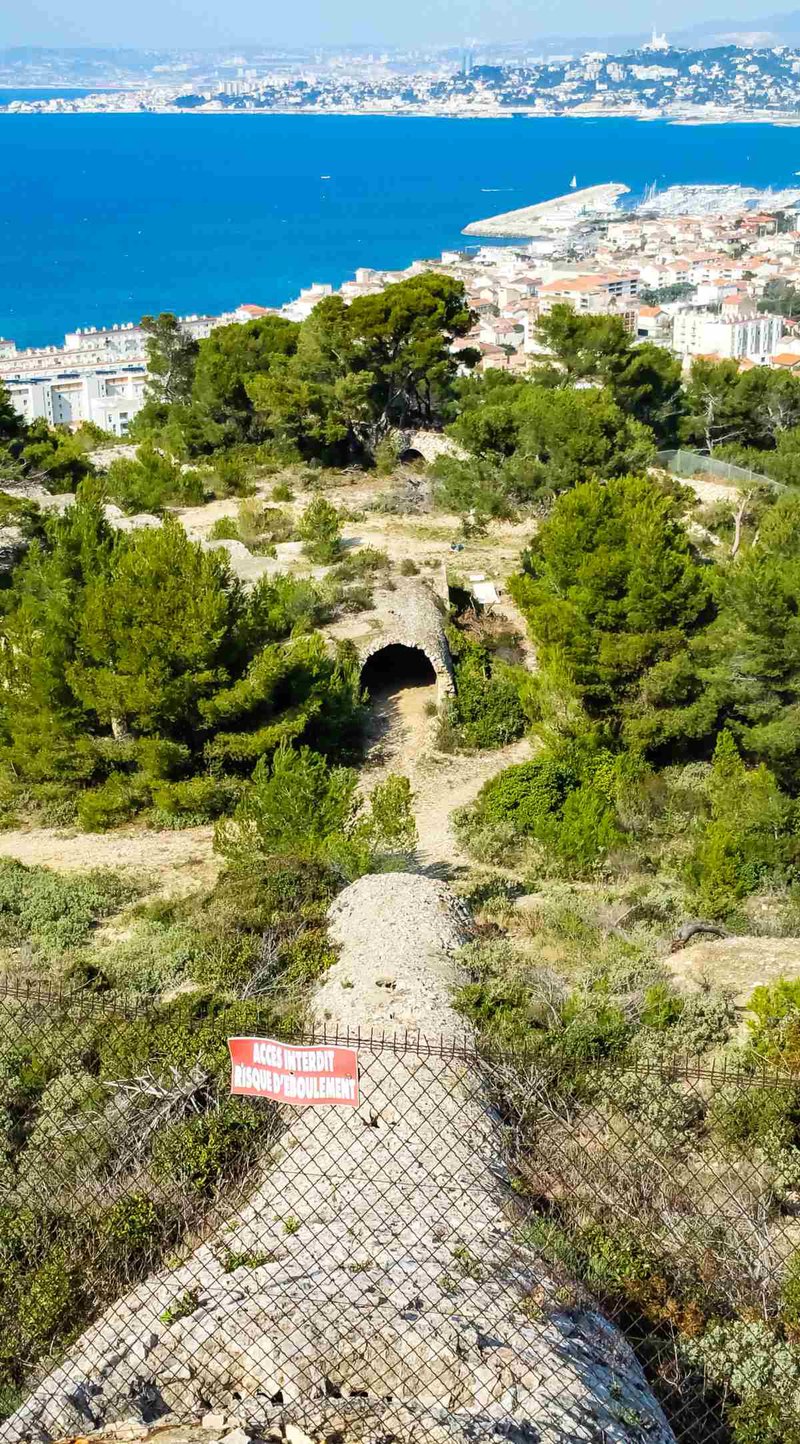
(573, 185)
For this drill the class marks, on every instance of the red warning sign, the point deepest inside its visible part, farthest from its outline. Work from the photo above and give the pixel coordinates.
(304, 1077)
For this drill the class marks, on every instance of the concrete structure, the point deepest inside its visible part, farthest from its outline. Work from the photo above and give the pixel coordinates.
(707, 333)
(562, 211)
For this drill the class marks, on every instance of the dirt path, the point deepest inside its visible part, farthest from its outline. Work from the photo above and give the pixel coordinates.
(443, 783)
(176, 861)
(401, 739)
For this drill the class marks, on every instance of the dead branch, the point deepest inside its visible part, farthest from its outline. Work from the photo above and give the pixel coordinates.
(738, 522)
(695, 927)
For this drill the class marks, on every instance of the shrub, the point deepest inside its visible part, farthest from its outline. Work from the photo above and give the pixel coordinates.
(191, 1155)
(282, 491)
(152, 482)
(232, 475)
(300, 807)
(263, 525)
(585, 834)
(320, 532)
(487, 709)
(408, 567)
(593, 1028)
(198, 798)
(116, 800)
(225, 528)
(525, 795)
(751, 1359)
(763, 1116)
(748, 837)
(56, 911)
(129, 1231)
(386, 455)
(775, 1026)
(159, 758)
(485, 841)
(365, 562)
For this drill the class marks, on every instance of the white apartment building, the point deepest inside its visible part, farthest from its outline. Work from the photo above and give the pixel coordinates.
(110, 399)
(100, 347)
(706, 333)
(604, 294)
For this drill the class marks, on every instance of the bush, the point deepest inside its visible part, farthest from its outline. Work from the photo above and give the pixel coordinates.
(232, 475)
(263, 526)
(525, 795)
(748, 838)
(116, 800)
(193, 1154)
(586, 832)
(487, 709)
(56, 911)
(386, 455)
(366, 562)
(199, 798)
(159, 758)
(763, 1116)
(225, 528)
(320, 532)
(775, 1026)
(751, 1359)
(129, 1231)
(301, 808)
(152, 482)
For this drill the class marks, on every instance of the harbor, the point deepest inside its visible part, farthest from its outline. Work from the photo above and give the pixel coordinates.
(560, 213)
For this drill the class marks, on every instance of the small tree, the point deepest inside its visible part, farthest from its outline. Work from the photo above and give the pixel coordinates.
(320, 532)
(171, 359)
(300, 807)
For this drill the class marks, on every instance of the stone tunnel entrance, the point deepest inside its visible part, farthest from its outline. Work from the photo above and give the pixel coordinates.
(396, 667)
(403, 687)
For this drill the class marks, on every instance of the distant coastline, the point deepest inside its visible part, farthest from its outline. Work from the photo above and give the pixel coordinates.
(681, 117)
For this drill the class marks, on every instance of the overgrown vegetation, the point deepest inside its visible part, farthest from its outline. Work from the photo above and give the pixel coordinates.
(668, 1198)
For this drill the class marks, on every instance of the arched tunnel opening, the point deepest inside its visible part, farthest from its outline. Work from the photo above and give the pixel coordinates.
(402, 686)
(396, 667)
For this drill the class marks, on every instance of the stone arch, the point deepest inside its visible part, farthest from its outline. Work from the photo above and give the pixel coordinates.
(396, 662)
(413, 620)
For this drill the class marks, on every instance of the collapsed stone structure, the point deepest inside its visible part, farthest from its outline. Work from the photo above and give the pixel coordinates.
(383, 1292)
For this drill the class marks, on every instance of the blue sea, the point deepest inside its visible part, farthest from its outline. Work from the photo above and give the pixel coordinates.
(106, 217)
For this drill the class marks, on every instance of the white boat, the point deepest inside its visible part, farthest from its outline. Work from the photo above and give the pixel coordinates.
(573, 185)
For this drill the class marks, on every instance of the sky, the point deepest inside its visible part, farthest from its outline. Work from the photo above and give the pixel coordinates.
(181, 23)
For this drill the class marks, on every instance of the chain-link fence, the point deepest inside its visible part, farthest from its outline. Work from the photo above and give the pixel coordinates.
(457, 1246)
(693, 463)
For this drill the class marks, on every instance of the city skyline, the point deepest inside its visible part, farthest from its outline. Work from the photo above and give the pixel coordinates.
(175, 23)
